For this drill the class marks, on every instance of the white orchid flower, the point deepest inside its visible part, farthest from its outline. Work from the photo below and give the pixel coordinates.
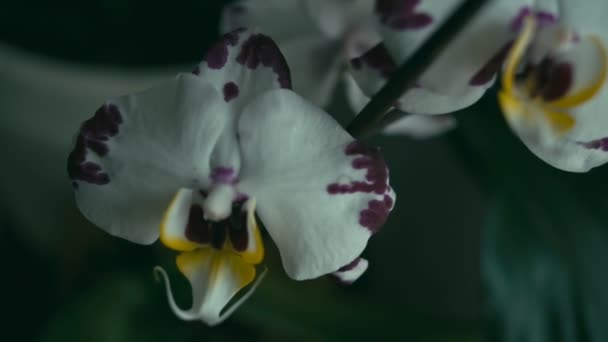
(189, 160)
(467, 66)
(554, 92)
(319, 38)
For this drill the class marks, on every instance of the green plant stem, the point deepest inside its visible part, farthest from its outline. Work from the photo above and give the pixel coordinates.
(364, 124)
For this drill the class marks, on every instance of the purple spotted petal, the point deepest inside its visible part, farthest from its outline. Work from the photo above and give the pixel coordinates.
(217, 55)
(93, 136)
(261, 50)
(323, 195)
(376, 181)
(376, 175)
(133, 155)
(231, 91)
(242, 65)
(487, 72)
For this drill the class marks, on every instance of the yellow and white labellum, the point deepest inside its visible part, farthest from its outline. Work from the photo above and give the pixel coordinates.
(517, 99)
(217, 263)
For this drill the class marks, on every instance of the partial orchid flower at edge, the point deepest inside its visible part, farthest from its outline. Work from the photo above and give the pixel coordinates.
(192, 160)
(554, 93)
(318, 39)
(464, 69)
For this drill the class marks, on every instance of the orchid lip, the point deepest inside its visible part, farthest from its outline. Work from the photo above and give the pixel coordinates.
(217, 256)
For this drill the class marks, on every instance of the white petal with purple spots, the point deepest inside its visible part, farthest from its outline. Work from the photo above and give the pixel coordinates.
(320, 194)
(137, 150)
(317, 37)
(461, 74)
(242, 65)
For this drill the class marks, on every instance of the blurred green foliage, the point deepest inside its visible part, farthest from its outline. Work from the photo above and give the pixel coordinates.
(545, 242)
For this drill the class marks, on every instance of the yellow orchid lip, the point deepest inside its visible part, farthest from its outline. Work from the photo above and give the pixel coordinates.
(555, 103)
(218, 258)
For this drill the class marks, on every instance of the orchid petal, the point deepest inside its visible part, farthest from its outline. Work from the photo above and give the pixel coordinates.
(316, 37)
(467, 66)
(314, 59)
(373, 69)
(421, 126)
(416, 126)
(242, 65)
(335, 17)
(137, 150)
(319, 194)
(562, 151)
(590, 14)
(315, 63)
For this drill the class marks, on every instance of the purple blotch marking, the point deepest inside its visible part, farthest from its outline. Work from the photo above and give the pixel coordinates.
(217, 55)
(260, 49)
(376, 176)
(223, 175)
(202, 231)
(553, 80)
(218, 233)
(374, 216)
(377, 58)
(94, 134)
(350, 266)
(487, 72)
(599, 144)
(231, 91)
(542, 18)
(376, 213)
(197, 229)
(239, 236)
(401, 14)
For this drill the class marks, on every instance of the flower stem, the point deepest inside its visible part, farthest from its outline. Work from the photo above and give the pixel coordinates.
(366, 122)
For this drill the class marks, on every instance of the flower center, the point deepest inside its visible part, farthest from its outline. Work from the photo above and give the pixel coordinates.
(218, 203)
(218, 233)
(548, 81)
